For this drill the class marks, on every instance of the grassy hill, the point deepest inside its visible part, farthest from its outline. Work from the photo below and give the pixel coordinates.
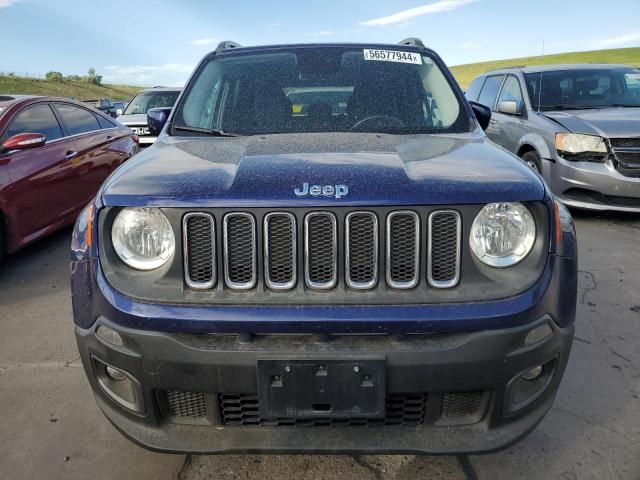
(77, 90)
(628, 56)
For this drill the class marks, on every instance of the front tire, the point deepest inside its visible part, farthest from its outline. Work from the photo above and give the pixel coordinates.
(533, 160)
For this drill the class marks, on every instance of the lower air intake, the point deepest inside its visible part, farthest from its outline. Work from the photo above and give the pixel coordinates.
(461, 404)
(401, 410)
(186, 404)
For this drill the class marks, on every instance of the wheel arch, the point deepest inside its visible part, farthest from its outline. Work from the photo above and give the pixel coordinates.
(534, 142)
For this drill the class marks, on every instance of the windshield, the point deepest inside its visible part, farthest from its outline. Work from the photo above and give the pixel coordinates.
(321, 89)
(579, 89)
(142, 102)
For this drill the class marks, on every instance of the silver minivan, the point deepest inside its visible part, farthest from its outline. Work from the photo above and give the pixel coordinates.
(134, 115)
(577, 125)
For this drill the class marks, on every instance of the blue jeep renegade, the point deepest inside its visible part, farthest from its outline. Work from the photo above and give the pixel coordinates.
(323, 253)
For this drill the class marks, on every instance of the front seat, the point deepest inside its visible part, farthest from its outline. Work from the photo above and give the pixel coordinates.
(272, 108)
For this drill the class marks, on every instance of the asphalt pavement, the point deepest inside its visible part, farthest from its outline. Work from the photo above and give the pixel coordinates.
(51, 428)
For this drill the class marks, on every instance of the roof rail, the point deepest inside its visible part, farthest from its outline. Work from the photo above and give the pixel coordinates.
(510, 67)
(412, 42)
(226, 44)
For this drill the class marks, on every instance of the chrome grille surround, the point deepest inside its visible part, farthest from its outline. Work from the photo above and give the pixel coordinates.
(279, 257)
(205, 262)
(391, 246)
(359, 247)
(310, 256)
(232, 267)
(436, 241)
(324, 265)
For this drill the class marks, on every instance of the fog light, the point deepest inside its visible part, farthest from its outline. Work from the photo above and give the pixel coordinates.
(119, 385)
(115, 374)
(109, 335)
(537, 334)
(532, 374)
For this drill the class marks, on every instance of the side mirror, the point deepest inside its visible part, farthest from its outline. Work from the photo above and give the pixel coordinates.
(156, 118)
(24, 141)
(509, 107)
(482, 113)
(118, 112)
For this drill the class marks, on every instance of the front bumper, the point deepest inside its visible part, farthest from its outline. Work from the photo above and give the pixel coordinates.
(594, 186)
(447, 392)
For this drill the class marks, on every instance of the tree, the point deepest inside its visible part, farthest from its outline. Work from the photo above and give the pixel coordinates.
(92, 77)
(54, 76)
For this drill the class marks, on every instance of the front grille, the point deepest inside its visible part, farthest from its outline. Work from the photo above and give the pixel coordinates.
(627, 153)
(461, 404)
(401, 410)
(240, 250)
(280, 250)
(362, 249)
(444, 249)
(321, 250)
(336, 250)
(625, 142)
(403, 249)
(186, 404)
(199, 244)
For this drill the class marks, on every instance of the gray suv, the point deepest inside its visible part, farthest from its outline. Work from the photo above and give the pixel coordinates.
(134, 115)
(577, 125)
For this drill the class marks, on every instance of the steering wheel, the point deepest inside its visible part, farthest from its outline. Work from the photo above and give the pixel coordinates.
(390, 120)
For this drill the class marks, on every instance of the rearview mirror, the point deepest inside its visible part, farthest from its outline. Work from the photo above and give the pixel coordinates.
(156, 119)
(24, 141)
(118, 112)
(482, 113)
(509, 107)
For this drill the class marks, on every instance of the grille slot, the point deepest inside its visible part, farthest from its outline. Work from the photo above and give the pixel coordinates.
(401, 410)
(403, 249)
(198, 231)
(186, 404)
(361, 240)
(240, 250)
(280, 250)
(321, 250)
(461, 404)
(443, 264)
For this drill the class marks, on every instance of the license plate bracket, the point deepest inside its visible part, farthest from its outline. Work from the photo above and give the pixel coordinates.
(322, 388)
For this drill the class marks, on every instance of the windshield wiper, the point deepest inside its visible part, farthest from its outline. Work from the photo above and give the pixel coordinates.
(207, 131)
(565, 106)
(621, 105)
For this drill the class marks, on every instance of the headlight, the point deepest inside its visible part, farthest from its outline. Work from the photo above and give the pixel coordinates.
(143, 238)
(502, 234)
(573, 143)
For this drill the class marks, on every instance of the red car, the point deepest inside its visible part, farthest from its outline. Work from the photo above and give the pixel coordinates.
(54, 155)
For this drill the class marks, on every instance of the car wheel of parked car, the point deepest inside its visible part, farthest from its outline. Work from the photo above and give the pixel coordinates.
(533, 160)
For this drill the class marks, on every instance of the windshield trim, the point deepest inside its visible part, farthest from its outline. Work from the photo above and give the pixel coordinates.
(465, 123)
(150, 93)
(536, 75)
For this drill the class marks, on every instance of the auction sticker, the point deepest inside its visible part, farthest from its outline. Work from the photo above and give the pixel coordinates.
(392, 56)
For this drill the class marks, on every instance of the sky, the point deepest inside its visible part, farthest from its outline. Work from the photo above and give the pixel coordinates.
(159, 42)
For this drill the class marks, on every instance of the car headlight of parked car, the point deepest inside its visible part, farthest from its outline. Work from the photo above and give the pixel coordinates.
(576, 146)
(502, 234)
(143, 238)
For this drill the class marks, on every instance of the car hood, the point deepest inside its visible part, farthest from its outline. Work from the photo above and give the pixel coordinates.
(377, 169)
(137, 119)
(606, 122)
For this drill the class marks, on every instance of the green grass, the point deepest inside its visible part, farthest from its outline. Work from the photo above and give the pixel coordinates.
(463, 73)
(77, 90)
(628, 56)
